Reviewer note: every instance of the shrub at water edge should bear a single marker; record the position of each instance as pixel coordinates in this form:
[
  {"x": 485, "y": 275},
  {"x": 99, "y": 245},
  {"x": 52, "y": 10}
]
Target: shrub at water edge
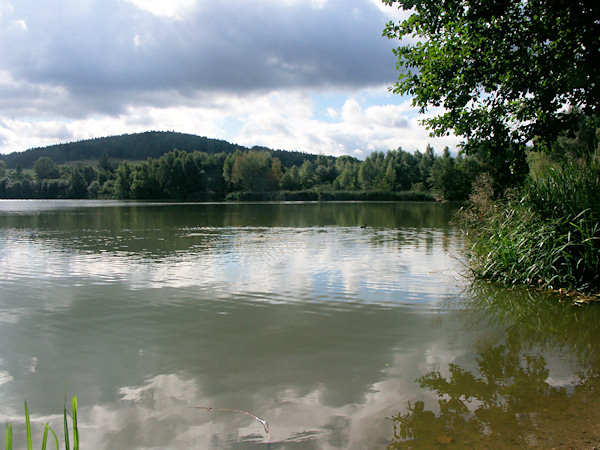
[{"x": 547, "y": 233}]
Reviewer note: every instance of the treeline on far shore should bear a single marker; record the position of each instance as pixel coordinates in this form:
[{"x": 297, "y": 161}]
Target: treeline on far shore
[{"x": 249, "y": 175}]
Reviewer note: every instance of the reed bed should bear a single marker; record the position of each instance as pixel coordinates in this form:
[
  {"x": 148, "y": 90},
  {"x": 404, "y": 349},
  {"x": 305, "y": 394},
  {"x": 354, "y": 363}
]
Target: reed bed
[{"x": 546, "y": 234}]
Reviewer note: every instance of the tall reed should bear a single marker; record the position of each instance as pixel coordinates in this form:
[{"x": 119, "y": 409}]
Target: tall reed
[{"x": 547, "y": 233}]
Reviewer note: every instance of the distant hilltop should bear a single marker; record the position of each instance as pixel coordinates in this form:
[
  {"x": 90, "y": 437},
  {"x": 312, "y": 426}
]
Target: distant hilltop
[{"x": 139, "y": 147}]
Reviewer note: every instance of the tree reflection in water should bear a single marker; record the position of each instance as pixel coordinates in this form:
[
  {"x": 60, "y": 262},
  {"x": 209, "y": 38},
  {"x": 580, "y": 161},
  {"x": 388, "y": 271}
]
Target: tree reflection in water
[{"x": 510, "y": 401}]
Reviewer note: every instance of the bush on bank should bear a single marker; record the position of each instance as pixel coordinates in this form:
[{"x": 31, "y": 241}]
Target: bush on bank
[{"x": 547, "y": 233}]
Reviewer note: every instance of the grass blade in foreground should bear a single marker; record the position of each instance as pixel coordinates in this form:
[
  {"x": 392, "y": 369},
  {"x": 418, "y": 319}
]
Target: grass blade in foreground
[
  {"x": 75, "y": 431},
  {"x": 45, "y": 438},
  {"x": 66, "y": 426},
  {"x": 28, "y": 428},
  {"x": 8, "y": 436}
]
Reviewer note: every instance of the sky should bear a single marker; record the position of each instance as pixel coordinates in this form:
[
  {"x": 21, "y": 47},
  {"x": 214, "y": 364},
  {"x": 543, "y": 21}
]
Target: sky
[{"x": 307, "y": 75}]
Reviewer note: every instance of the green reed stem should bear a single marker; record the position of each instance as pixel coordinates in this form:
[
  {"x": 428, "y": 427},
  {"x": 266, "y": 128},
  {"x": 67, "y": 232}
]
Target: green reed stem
[
  {"x": 75, "y": 430},
  {"x": 28, "y": 428},
  {"x": 8, "y": 436}
]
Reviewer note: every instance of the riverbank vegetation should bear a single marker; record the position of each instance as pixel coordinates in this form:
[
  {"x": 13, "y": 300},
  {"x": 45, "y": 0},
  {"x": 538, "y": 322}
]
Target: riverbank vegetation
[
  {"x": 546, "y": 233},
  {"x": 250, "y": 175},
  {"x": 519, "y": 82}
]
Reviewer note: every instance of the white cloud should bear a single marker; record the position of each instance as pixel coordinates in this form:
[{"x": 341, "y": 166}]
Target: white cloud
[
  {"x": 172, "y": 9},
  {"x": 90, "y": 68},
  {"x": 20, "y": 24},
  {"x": 279, "y": 120},
  {"x": 289, "y": 122}
]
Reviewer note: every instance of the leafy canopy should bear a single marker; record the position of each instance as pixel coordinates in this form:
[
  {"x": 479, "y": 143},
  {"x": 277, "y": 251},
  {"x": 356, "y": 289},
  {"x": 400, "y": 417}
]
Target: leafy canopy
[{"x": 505, "y": 71}]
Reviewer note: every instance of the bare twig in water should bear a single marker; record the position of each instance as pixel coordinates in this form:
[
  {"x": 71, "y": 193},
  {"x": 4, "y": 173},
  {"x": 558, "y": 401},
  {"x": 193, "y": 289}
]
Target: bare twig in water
[{"x": 263, "y": 422}]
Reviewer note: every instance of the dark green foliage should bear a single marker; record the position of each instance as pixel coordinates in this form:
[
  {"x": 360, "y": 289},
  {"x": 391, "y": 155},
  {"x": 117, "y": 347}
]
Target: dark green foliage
[
  {"x": 104, "y": 163},
  {"x": 145, "y": 184},
  {"x": 290, "y": 180},
  {"x": 307, "y": 175},
  {"x": 60, "y": 188},
  {"x": 77, "y": 184},
  {"x": 45, "y": 168},
  {"x": 17, "y": 188},
  {"x": 347, "y": 168},
  {"x": 546, "y": 234},
  {"x": 123, "y": 181},
  {"x": 451, "y": 179},
  {"x": 509, "y": 75}
]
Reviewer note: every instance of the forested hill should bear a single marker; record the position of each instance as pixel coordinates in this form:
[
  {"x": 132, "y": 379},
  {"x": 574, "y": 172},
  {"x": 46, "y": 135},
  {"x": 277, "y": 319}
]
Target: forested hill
[{"x": 137, "y": 147}]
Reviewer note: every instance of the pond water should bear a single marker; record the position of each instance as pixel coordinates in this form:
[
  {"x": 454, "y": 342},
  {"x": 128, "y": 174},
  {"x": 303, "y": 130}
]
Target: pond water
[{"x": 336, "y": 334}]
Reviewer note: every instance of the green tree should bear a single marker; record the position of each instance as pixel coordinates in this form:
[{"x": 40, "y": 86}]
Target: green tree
[
  {"x": 45, "y": 168},
  {"x": 144, "y": 184},
  {"x": 171, "y": 175},
  {"x": 274, "y": 175},
  {"x": 388, "y": 182},
  {"x": 505, "y": 72},
  {"x": 212, "y": 168},
  {"x": 348, "y": 173},
  {"x": 346, "y": 180},
  {"x": 228, "y": 168},
  {"x": 407, "y": 171},
  {"x": 104, "y": 163},
  {"x": 307, "y": 174},
  {"x": 367, "y": 174},
  {"x": 89, "y": 173},
  {"x": 77, "y": 184},
  {"x": 54, "y": 188},
  {"x": 443, "y": 177},
  {"x": 123, "y": 181},
  {"x": 425, "y": 165},
  {"x": 325, "y": 171},
  {"x": 94, "y": 189},
  {"x": 291, "y": 179},
  {"x": 251, "y": 170}
]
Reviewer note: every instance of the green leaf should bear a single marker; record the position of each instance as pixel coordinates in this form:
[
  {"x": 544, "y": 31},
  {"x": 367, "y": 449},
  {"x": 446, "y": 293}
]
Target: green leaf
[
  {"x": 66, "y": 426},
  {"x": 8, "y": 436},
  {"x": 28, "y": 428},
  {"x": 75, "y": 430}
]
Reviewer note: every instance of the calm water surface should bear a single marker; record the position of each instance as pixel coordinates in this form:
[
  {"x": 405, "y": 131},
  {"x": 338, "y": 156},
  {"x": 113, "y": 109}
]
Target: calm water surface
[{"x": 339, "y": 336}]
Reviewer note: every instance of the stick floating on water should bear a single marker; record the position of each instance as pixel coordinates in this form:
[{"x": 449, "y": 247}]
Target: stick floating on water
[{"x": 263, "y": 422}]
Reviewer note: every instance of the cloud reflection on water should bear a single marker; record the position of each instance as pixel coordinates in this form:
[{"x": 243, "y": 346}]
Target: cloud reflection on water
[{"x": 275, "y": 264}]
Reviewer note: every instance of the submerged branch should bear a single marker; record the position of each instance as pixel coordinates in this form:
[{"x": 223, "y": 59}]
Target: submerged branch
[{"x": 263, "y": 422}]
